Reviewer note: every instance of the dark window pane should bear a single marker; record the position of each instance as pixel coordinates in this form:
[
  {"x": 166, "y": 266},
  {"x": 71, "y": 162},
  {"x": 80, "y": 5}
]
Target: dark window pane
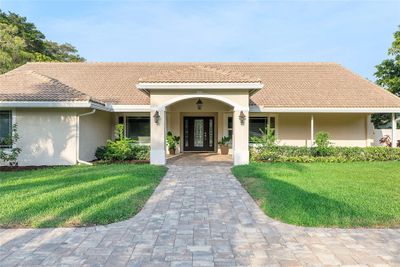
[
  {"x": 5, "y": 127},
  {"x": 137, "y": 127},
  {"x": 272, "y": 122},
  {"x": 121, "y": 120},
  {"x": 257, "y": 126},
  {"x": 230, "y": 123},
  {"x": 230, "y": 134}
]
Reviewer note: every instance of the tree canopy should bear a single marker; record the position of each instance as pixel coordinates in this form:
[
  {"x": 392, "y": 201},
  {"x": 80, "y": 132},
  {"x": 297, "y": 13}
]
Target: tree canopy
[
  {"x": 22, "y": 42},
  {"x": 388, "y": 76}
]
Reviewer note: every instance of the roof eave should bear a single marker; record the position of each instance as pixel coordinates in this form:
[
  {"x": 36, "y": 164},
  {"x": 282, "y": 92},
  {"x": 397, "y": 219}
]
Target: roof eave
[
  {"x": 366, "y": 110},
  {"x": 251, "y": 86},
  {"x": 53, "y": 104}
]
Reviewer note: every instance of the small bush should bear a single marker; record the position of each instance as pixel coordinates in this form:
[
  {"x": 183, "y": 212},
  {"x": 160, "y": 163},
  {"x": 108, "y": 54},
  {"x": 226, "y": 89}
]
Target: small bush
[
  {"x": 118, "y": 149},
  {"x": 140, "y": 152},
  {"x": 122, "y": 148},
  {"x": 100, "y": 153},
  {"x": 323, "y": 146}
]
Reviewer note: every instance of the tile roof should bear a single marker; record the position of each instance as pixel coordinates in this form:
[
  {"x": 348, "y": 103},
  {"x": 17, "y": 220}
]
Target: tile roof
[
  {"x": 32, "y": 86},
  {"x": 199, "y": 74},
  {"x": 285, "y": 84}
]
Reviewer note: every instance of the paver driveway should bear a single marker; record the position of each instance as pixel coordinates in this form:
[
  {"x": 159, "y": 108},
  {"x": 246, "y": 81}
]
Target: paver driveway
[{"x": 199, "y": 216}]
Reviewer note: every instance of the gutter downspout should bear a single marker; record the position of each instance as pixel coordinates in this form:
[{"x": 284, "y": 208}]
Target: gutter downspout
[{"x": 77, "y": 136}]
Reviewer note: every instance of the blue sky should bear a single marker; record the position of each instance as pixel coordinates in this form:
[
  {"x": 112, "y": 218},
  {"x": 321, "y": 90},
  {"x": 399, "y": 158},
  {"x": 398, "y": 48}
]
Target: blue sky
[{"x": 356, "y": 34}]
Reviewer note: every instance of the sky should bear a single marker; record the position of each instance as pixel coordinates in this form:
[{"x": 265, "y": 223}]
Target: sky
[{"x": 354, "y": 33}]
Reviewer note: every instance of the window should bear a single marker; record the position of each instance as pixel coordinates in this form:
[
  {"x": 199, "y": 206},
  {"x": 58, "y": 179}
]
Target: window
[
  {"x": 230, "y": 127},
  {"x": 257, "y": 125},
  {"x": 5, "y": 128},
  {"x": 138, "y": 128}
]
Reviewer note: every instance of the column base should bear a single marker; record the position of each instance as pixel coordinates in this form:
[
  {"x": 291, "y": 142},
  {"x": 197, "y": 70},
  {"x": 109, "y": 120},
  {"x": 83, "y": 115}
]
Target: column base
[
  {"x": 157, "y": 156},
  {"x": 240, "y": 157}
]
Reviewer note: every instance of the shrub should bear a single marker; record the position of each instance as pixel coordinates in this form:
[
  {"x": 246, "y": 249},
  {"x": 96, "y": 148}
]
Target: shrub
[
  {"x": 336, "y": 154},
  {"x": 323, "y": 145},
  {"x": 140, "y": 152},
  {"x": 118, "y": 149},
  {"x": 100, "y": 153},
  {"x": 122, "y": 148},
  {"x": 11, "y": 154}
]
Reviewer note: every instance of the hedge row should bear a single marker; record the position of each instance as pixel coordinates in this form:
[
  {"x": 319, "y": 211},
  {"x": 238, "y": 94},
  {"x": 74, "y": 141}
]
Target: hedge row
[
  {"x": 331, "y": 154},
  {"x": 123, "y": 150}
]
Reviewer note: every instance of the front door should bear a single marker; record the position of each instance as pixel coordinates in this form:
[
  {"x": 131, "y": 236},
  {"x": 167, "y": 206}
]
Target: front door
[{"x": 198, "y": 134}]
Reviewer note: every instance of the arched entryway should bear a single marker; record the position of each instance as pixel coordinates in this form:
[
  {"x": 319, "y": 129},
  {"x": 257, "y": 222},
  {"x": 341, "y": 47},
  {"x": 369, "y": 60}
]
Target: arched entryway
[{"x": 200, "y": 129}]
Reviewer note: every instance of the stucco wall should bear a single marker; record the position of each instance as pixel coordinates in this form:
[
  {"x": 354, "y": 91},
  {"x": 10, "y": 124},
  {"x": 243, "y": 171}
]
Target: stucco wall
[
  {"x": 379, "y": 133},
  {"x": 47, "y": 136},
  {"x": 344, "y": 129},
  {"x": 94, "y": 131}
]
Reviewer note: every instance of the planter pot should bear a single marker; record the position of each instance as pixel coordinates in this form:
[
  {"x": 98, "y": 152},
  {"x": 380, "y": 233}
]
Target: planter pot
[
  {"x": 171, "y": 151},
  {"x": 224, "y": 149}
]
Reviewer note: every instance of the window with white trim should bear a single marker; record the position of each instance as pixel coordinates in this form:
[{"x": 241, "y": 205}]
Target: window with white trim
[
  {"x": 5, "y": 128},
  {"x": 259, "y": 125},
  {"x": 138, "y": 128},
  {"x": 230, "y": 127}
]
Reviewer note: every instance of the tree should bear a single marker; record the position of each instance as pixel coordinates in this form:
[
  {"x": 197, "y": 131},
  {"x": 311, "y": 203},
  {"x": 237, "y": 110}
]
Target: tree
[
  {"x": 21, "y": 42},
  {"x": 12, "y": 48},
  {"x": 388, "y": 76}
]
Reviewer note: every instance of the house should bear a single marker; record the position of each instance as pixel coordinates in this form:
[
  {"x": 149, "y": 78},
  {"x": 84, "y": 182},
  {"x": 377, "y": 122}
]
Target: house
[{"x": 64, "y": 111}]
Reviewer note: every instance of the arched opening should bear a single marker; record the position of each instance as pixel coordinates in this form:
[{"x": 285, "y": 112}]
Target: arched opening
[{"x": 200, "y": 121}]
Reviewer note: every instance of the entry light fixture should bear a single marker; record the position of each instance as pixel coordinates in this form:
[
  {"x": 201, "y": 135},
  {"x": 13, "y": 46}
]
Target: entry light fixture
[
  {"x": 242, "y": 117},
  {"x": 199, "y": 104},
  {"x": 156, "y": 117}
]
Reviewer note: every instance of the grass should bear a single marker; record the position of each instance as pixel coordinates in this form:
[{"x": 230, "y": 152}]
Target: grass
[
  {"x": 76, "y": 195},
  {"x": 362, "y": 194}
]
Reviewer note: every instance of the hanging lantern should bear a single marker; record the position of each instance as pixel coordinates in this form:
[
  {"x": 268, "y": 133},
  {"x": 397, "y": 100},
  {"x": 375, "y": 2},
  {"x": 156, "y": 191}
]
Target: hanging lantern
[{"x": 199, "y": 104}]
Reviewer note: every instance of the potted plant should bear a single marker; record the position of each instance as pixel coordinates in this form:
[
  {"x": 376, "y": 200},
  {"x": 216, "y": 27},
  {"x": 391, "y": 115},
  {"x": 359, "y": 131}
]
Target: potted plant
[
  {"x": 223, "y": 145},
  {"x": 172, "y": 141}
]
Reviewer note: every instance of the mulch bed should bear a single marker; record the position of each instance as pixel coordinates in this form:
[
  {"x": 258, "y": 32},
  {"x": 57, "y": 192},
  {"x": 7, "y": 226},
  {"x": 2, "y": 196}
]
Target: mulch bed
[
  {"x": 21, "y": 168},
  {"x": 26, "y": 168},
  {"x": 133, "y": 161}
]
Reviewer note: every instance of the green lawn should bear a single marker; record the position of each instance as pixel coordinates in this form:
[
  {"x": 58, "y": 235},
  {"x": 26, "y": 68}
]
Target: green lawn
[
  {"x": 76, "y": 195},
  {"x": 362, "y": 194}
]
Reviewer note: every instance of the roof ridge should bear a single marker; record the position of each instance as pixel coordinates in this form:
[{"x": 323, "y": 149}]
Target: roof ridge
[{"x": 228, "y": 72}]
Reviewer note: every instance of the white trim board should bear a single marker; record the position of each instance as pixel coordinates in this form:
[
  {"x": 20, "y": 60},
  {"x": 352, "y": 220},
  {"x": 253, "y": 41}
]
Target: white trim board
[
  {"x": 74, "y": 104},
  {"x": 252, "y": 86},
  {"x": 146, "y": 108},
  {"x": 205, "y": 86},
  {"x": 324, "y": 110},
  {"x": 52, "y": 104},
  {"x": 129, "y": 108}
]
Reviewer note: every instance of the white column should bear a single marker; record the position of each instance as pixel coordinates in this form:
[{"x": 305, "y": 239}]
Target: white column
[
  {"x": 240, "y": 139},
  {"x": 312, "y": 131},
  {"x": 394, "y": 130},
  {"x": 157, "y": 139}
]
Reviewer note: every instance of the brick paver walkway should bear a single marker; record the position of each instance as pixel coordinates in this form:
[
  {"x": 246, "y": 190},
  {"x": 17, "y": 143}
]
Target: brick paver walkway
[{"x": 199, "y": 216}]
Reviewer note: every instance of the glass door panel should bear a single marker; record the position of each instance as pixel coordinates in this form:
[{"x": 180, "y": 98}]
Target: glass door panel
[{"x": 199, "y": 133}]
